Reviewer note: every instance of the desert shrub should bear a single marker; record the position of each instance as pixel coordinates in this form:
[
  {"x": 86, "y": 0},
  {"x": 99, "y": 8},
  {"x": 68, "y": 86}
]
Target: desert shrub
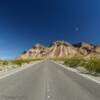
[
  {"x": 4, "y": 62},
  {"x": 93, "y": 65},
  {"x": 19, "y": 62},
  {"x": 74, "y": 62}
]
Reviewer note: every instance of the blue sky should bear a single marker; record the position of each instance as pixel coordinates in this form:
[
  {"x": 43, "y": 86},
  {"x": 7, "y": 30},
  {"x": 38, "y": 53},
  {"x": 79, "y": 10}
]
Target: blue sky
[{"x": 26, "y": 22}]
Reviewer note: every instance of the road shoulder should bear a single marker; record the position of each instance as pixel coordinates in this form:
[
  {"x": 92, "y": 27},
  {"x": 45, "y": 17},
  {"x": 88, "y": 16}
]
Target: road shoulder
[
  {"x": 88, "y": 76},
  {"x": 14, "y": 71}
]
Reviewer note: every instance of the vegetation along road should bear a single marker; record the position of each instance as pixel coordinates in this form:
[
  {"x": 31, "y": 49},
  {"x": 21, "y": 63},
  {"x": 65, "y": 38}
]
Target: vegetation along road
[{"x": 48, "y": 81}]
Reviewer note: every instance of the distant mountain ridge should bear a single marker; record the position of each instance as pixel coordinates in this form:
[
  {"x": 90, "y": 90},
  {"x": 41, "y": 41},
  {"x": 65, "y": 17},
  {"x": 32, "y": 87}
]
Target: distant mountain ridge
[{"x": 61, "y": 49}]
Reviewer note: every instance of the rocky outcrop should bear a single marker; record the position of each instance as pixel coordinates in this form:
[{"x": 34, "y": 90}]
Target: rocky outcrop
[
  {"x": 84, "y": 48},
  {"x": 36, "y": 51},
  {"x": 61, "y": 49}
]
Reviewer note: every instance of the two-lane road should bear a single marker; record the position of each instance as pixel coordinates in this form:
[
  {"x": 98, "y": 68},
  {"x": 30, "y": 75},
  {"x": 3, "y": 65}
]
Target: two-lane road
[{"x": 48, "y": 81}]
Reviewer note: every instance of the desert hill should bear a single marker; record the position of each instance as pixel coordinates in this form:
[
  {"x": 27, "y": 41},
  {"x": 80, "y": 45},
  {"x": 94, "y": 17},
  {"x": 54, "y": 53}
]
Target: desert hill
[{"x": 61, "y": 49}]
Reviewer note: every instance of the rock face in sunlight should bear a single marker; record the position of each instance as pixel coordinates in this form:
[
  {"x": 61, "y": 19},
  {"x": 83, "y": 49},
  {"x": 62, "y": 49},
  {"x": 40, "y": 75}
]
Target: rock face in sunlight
[
  {"x": 87, "y": 50},
  {"x": 61, "y": 49},
  {"x": 84, "y": 48},
  {"x": 36, "y": 51}
]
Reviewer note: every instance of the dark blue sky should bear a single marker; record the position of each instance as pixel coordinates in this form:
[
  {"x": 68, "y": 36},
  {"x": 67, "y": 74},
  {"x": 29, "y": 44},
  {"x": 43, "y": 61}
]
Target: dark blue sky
[{"x": 26, "y": 22}]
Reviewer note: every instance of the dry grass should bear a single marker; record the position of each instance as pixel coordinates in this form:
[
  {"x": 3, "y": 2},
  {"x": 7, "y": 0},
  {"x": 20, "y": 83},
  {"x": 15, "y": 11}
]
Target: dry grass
[{"x": 92, "y": 64}]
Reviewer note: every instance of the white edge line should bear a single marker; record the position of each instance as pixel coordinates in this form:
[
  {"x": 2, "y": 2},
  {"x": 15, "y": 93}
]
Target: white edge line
[
  {"x": 85, "y": 76},
  {"x": 18, "y": 70}
]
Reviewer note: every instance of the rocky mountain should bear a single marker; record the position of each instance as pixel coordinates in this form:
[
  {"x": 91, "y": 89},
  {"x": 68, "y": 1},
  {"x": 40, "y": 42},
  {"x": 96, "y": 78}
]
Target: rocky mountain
[
  {"x": 36, "y": 51},
  {"x": 84, "y": 48},
  {"x": 61, "y": 49}
]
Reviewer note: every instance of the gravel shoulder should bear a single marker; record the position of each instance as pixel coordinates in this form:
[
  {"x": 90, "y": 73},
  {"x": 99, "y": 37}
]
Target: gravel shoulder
[
  {"x": 6, "y": 73},
  {"x": 80, "y": 71}
]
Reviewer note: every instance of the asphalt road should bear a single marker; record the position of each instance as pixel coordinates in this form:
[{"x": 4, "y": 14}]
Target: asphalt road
[{"x": 48, "y": 81}]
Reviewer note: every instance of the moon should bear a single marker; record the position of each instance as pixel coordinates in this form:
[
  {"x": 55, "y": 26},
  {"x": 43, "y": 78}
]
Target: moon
[{"x": 76, "y": 28}]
